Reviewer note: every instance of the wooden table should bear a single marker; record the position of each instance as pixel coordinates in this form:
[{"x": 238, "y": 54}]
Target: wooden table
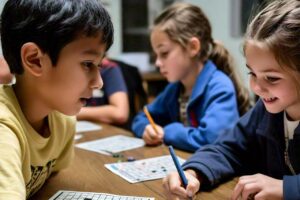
[{"x": 87, "y": 173}]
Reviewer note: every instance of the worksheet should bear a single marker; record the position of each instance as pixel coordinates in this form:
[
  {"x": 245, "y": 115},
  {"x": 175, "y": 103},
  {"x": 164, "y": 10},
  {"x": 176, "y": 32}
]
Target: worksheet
[
  {"x": 112, "y": 145},
  {"x": 85, "y": 126},
  {"x": 67, "y": 195},
  {"x": 144, "y": 170}
]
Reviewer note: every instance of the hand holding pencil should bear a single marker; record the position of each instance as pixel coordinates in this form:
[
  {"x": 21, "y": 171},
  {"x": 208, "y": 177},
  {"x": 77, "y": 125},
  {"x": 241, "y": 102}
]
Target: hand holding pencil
[
  {"x": 153, "y": 133},
  {"x": 181, "y": 174},
  {"x": 175, "y": 188}
]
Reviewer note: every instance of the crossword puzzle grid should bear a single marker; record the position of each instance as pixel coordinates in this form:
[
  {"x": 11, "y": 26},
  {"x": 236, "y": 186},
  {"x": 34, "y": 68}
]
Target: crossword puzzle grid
[
  {"x": 75, "y": 195},
  {"x": 142, "y": 170}
]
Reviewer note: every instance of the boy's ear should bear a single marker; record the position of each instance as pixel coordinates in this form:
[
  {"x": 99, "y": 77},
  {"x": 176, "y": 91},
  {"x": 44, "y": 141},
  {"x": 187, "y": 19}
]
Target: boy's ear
[
  {"x": 194, "y": 46},
  {"x": 31, "y": 56}
]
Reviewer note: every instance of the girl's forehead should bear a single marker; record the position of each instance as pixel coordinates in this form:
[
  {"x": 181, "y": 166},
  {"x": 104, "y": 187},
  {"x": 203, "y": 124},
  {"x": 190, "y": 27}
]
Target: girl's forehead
[
  {"x": 159, "y": 34},
  {"x": 160, "y": 39},
  {"x": 260, "y": 58},
  {"x": 257, "y": 44}
]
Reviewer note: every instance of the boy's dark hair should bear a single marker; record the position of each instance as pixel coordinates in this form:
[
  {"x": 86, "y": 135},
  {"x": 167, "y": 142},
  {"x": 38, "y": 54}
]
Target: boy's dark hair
[{"x": 50, "y": 24}]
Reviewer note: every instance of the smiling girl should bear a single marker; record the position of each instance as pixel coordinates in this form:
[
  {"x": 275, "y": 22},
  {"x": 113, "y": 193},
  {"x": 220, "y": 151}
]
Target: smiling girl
[{"x": 264, "y": 146}]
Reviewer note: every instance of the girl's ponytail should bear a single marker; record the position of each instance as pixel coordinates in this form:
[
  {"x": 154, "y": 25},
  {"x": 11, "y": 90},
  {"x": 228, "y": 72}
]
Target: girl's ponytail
[{"x": 224, "y": 61}]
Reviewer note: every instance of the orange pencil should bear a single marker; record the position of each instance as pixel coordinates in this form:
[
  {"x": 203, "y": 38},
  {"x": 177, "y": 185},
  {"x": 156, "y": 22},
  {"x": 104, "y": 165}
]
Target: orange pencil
[{"x": 150, "y": 119}]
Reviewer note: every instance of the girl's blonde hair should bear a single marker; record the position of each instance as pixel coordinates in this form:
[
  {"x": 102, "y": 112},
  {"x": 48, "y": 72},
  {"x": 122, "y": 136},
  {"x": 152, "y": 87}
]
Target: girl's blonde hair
[
  {"x": 277, "y": 27},
  {"x": 182, "y": 21}
]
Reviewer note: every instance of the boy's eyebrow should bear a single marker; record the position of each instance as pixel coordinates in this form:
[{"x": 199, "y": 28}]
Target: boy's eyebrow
[{"x": 93, "y": 52}]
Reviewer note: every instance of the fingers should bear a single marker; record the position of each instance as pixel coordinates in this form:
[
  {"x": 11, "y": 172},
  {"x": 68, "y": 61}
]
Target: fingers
[
  {"x": 193, "y": 186},
  {"x": 174, "y": 189},
  {"x": 172, "y": 186},
  {"x": 246, "y": 188},
  {"x": 249, "y": 191},
  {"x": 151, "y": 137}
]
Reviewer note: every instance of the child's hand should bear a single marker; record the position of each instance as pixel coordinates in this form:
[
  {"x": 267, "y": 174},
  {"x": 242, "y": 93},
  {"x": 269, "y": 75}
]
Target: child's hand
[
  {"x": 258, "y": 185},
  {"x": 174, "y": 189},
  {"x": 151, "y": 137}
]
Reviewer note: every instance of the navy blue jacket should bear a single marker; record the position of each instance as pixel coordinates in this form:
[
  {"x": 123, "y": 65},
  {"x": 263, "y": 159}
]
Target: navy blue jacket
[
  {"x": 255, "y": 145},
  {"x": 211, "y": 108}
]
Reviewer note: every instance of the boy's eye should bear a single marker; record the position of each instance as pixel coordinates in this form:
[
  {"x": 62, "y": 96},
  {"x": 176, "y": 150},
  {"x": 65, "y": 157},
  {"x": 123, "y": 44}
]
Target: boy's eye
[{"x": 88, "y": 64}]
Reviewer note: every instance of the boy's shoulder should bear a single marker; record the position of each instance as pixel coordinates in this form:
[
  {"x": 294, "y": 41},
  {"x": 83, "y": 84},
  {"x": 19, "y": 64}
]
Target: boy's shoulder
[
  {"x": 10, "y": 120},
  {"x": 11, "y": 114},
  {"x": 8, "y": 101}
]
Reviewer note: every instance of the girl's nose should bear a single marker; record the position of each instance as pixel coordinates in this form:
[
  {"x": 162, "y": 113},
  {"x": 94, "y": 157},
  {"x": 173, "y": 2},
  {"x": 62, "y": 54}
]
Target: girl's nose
[
  {"x": 258, "y": 87},
  {"x": 157, "y": 63}
]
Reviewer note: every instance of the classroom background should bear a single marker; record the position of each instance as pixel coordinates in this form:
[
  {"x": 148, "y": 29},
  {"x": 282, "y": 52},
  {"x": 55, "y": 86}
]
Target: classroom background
[
  {"x": 131, "y": 38},
  {"x": 132, "y": 20}
]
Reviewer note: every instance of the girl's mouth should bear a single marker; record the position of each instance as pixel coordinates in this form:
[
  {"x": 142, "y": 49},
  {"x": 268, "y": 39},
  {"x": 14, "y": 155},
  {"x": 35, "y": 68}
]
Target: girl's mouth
[{"x": 269, "y": 100}]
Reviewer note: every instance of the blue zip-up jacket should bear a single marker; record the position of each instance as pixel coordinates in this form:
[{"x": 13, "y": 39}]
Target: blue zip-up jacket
[
  {"x": 255, "y": 145},
  {"x": 211, "y": 108}
]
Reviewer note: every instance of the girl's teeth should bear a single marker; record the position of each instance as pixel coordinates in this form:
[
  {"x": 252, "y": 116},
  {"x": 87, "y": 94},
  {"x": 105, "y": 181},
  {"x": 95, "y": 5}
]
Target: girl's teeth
[{"x": 270, "y": 99}]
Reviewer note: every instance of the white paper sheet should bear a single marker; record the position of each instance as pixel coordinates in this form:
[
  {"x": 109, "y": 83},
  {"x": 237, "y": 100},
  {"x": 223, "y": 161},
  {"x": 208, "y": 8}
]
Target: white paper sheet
[
  {"x": 113, "y": 144},
  {"x": 144, "y": 170},
  {"x": 85, "y": 126},
  {"x": 67, "y": 195}
]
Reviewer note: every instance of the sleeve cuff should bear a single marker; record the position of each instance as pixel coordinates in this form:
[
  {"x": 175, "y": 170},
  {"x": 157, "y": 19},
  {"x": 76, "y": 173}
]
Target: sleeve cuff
[{"x": 291, "y": 187}]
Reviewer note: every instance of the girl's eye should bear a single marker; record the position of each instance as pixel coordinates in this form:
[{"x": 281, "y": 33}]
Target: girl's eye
[
  {"x": 251, "y": 74},
  {"x": 164, "y": 54},
  {"x": 271, "y": 79}
]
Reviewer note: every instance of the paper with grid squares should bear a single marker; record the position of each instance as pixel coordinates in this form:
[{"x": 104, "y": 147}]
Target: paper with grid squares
[
  {"x": 144, "y": 170},
  {"x": 76, "y": 195}
]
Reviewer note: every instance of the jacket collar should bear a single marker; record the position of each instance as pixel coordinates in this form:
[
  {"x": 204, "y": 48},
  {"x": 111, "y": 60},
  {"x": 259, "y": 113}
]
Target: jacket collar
[
  {"x": 274, "y": 126},
  {"x": 202, "y": 80}
]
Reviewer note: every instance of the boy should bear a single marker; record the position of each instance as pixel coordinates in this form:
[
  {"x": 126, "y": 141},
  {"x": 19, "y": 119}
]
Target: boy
[{"x": 54, "y": 48}]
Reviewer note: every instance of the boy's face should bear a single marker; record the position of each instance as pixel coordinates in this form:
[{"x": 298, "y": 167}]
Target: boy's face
[
  {"x": 68, "y": 85},
  {"x": 274, "y": 84}
]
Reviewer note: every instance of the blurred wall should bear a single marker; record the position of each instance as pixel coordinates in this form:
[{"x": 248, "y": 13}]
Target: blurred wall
[{"x": 220, "y": 15}]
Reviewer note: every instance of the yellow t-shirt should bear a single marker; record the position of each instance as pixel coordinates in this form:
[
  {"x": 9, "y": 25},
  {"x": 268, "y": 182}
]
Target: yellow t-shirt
[{"x": 26, "y": 158}]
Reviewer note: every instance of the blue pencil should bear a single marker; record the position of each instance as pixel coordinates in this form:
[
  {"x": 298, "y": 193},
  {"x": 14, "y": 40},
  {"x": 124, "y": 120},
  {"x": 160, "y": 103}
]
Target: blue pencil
[{"x": 178, "y": 167}]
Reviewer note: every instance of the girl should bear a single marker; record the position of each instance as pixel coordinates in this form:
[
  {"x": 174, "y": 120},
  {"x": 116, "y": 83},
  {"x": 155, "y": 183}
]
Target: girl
[
  {"x": 265, "y": 143},
  {"x": 202, "y": 97}
]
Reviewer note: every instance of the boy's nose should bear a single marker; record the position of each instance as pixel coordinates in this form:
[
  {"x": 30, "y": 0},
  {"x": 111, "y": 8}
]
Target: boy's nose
[{"x": 97, "y": 82}]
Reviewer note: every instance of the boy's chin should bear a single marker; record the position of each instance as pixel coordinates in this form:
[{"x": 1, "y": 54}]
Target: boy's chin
[{"x": 72, "y": 112}]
